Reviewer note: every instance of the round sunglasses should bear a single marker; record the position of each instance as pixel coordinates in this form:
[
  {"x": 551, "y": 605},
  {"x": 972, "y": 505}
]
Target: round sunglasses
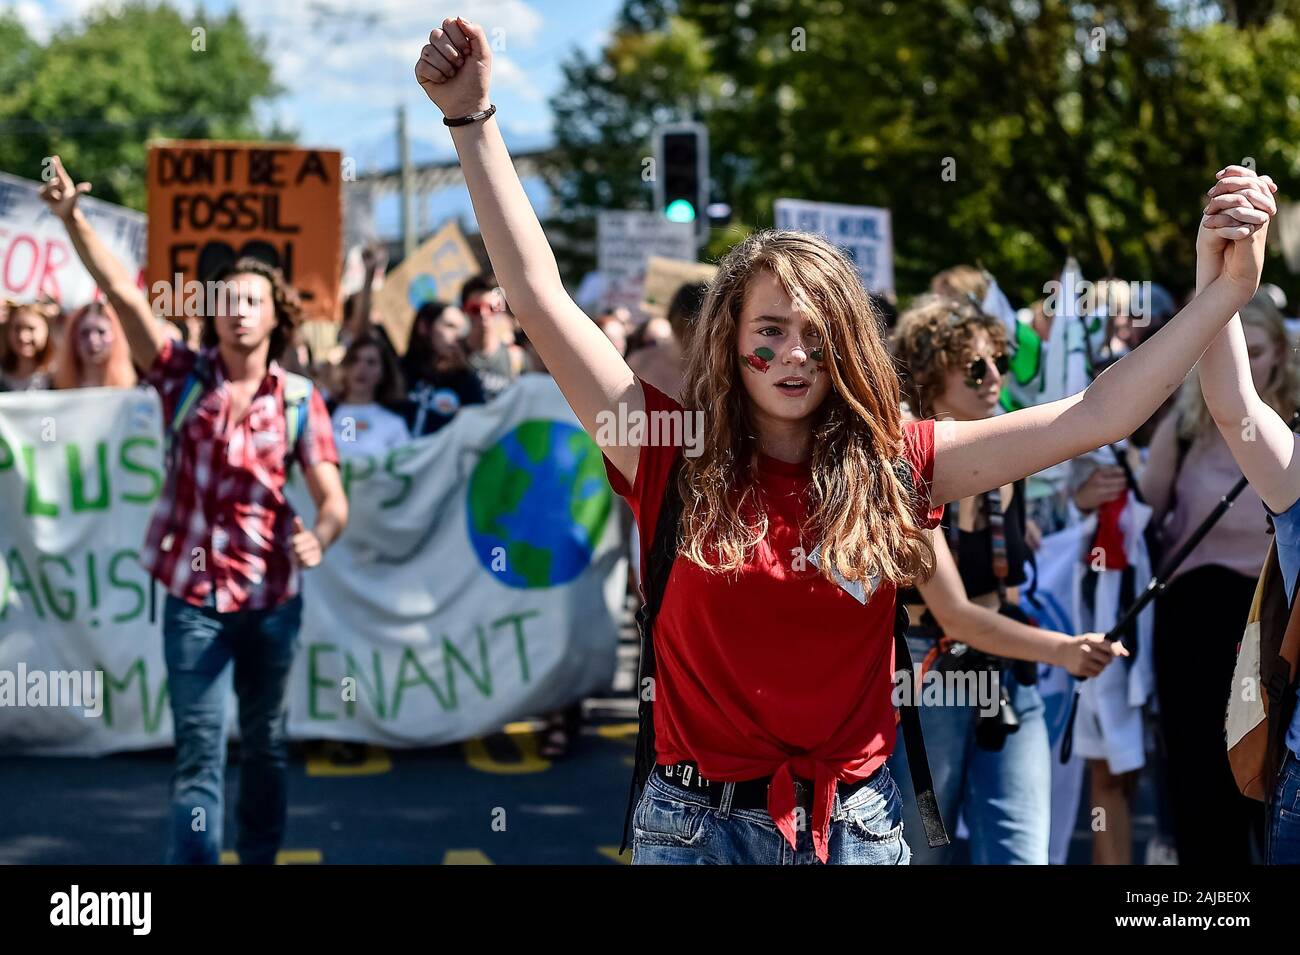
[{"x": 978, "y": 370}]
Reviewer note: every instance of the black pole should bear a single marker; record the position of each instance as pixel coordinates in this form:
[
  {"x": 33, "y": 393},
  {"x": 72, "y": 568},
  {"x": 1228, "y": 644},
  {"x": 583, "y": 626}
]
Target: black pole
[
  {"x": 1161, "y": 580},
  {"x": 1157, "y": 586}
]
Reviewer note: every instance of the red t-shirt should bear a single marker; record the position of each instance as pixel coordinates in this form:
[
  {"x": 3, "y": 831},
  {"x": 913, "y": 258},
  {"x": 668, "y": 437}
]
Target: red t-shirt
[{"x": 773, "y": 671}]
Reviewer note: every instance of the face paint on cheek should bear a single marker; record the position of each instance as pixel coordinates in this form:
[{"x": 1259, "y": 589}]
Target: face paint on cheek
[
  {"x": 760, "y": 359},
  {"x": 817, "y": 355}
]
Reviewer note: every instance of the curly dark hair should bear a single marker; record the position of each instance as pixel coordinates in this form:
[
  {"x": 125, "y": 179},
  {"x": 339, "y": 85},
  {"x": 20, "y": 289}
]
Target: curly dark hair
[
  {"x": 933, "y": 336},
  {"x": 288, "y": 309}
]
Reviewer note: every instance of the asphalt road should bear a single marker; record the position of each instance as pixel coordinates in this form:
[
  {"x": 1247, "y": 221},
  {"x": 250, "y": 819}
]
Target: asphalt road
[{"x": 491, "y": 800}]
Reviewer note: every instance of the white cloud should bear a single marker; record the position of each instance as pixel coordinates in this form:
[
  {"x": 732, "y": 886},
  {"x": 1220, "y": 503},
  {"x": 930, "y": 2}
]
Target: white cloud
[
  {"x": 34, "y": 18},
  {"x": 345, "y": 67},
  {"x": 506, "y": 74}
]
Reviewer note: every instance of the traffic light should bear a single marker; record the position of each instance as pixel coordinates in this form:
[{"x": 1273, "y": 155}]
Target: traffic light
[{"x": 682, "y": 173}]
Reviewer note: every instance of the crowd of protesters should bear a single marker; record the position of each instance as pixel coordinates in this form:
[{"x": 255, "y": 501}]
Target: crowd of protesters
[
  {"x": 952, "y": 355},
  {"x": 465, "y": 353},
  {"x": 458, "y": 354}
]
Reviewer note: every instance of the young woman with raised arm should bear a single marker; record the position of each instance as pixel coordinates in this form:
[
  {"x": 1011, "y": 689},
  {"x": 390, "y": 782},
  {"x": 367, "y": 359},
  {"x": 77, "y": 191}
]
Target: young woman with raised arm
[{"x": 774, "y": 672}]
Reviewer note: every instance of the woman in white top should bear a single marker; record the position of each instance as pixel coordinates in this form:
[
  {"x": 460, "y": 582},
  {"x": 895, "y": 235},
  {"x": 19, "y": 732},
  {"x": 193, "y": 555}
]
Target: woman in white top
[{"x": 364, "y": 420}]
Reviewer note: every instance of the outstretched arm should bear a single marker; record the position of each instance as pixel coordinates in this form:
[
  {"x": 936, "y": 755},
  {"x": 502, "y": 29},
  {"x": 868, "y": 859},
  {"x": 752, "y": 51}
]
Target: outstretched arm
[
  {"x": 1261, "y": 441},
  {"x": 454, "y": 70},
  {"x": 973, "y": 456},
  {"x": 990, "y": 631},
  {"x": 359, "y": 320},
  {"x": 143, "y": 333}
]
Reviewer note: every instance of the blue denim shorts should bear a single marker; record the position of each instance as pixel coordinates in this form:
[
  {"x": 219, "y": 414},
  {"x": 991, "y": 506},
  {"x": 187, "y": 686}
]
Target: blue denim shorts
[
  {"x": 677, "y": 826},
  {"x": 1284, "y": 827}
]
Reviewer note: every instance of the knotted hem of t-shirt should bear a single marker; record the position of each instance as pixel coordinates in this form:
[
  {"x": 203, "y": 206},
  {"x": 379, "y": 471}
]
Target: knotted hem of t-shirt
[{"x": 781, "y": 805}]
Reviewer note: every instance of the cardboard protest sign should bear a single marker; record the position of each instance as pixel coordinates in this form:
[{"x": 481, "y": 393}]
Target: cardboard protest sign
[
  {"x": 36, "y": 257},
  {"x": 663, "y": 277},
  {"x": 432, "y": 273},
  {"x": 212, "y": 202}
]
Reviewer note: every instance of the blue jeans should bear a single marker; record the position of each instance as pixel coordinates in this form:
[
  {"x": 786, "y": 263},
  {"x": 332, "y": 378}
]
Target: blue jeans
[
  {"x": 673, "y": 825},
  {"x": 1004, "y": 796},
  {"x": 1284, "y": 825},
  {"x": 199, "y": 645}
]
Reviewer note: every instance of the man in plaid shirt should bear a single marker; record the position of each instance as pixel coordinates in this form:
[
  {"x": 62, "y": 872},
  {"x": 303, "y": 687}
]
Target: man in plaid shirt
[{"x": 224, "y": 540}]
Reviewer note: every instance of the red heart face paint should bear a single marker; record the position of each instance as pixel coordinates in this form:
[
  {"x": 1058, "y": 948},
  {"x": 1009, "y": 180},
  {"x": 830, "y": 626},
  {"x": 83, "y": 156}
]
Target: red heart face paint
[{"x": 760, "y": 359}]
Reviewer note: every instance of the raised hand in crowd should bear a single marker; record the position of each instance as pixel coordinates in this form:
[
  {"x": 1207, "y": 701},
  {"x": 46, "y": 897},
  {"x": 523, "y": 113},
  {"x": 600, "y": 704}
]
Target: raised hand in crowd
[
  {"x": 144, "y": 334},
  {"x": 1230, "y": 248},
  {"x": 454, "y": 71}
]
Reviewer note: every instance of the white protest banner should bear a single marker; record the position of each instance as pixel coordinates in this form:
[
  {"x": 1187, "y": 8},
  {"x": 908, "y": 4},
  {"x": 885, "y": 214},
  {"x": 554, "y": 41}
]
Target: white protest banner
[
  {"x": 478, "y": 581},
  {"x": 864, "y": 232},
  {"x": 36, "y": 258}
]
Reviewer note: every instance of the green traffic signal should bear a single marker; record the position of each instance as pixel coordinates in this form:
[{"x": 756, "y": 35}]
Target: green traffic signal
[{"x": 680, "y": 210}]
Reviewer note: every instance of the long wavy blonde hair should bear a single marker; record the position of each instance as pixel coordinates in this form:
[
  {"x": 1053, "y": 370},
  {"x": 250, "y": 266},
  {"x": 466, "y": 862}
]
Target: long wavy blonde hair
[
  {"x": 1282, "y": 394},
  {"x": 860, "y": 513}
]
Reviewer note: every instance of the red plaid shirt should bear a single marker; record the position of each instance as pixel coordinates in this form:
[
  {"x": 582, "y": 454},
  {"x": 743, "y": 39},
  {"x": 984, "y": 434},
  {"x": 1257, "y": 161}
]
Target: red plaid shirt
[{"x": 223, "y": 525}]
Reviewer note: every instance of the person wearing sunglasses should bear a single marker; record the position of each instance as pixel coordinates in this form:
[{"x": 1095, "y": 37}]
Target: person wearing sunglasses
[
  {"x": 954, "y": 361},
  {"x": 493, "y": 353}
]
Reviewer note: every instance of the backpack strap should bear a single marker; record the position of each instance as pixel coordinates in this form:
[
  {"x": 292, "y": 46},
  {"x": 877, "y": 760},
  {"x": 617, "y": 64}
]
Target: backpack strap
[
  {"x": 663, "y": 552},
  {"x": 198, "y": 381},
  {"x": 297, "y": 394},
  {"x": 909, "y": 715}
]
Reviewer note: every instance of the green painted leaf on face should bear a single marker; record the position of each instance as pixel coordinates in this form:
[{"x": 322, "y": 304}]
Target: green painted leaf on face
[{"x": 765, "y": 353}]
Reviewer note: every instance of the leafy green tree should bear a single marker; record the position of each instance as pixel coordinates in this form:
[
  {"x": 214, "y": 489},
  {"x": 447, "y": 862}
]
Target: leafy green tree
[
  {"x": 100, "y": 89},
  {"x": 654, "y": 70},
  {"x": 1009, "y": 132}
]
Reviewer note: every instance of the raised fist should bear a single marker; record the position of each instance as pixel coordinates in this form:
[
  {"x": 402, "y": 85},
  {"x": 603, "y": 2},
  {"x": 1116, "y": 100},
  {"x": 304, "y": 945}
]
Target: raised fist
[
  {"x": 455, "y": 67},
  {"x": 59, "y": 193}
]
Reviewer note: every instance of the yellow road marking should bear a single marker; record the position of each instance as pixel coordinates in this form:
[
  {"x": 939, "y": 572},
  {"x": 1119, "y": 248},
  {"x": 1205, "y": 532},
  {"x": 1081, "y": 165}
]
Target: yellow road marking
[
  {"x": 465, "y": 857},
  {"x": 624, "y": 732},
  {"x": 478, "y": 757},
  {"x": 522, "y": 726},
  {"x": 611, "y": 852},
  {"x": 283, "y": 857},
  {"x": 377, "y": 762}
]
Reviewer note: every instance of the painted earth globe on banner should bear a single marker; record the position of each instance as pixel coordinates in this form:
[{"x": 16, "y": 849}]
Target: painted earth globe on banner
[
  {"x": 537, "y": 504},
  {"x": 423, "y": 288}
]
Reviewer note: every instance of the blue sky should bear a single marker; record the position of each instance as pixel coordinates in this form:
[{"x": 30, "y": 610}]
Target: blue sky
[{"x": 347, "y": 66}]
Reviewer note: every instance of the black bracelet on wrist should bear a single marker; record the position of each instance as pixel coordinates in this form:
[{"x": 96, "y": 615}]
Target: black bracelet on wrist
[{"x": 471, "y": 118}]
